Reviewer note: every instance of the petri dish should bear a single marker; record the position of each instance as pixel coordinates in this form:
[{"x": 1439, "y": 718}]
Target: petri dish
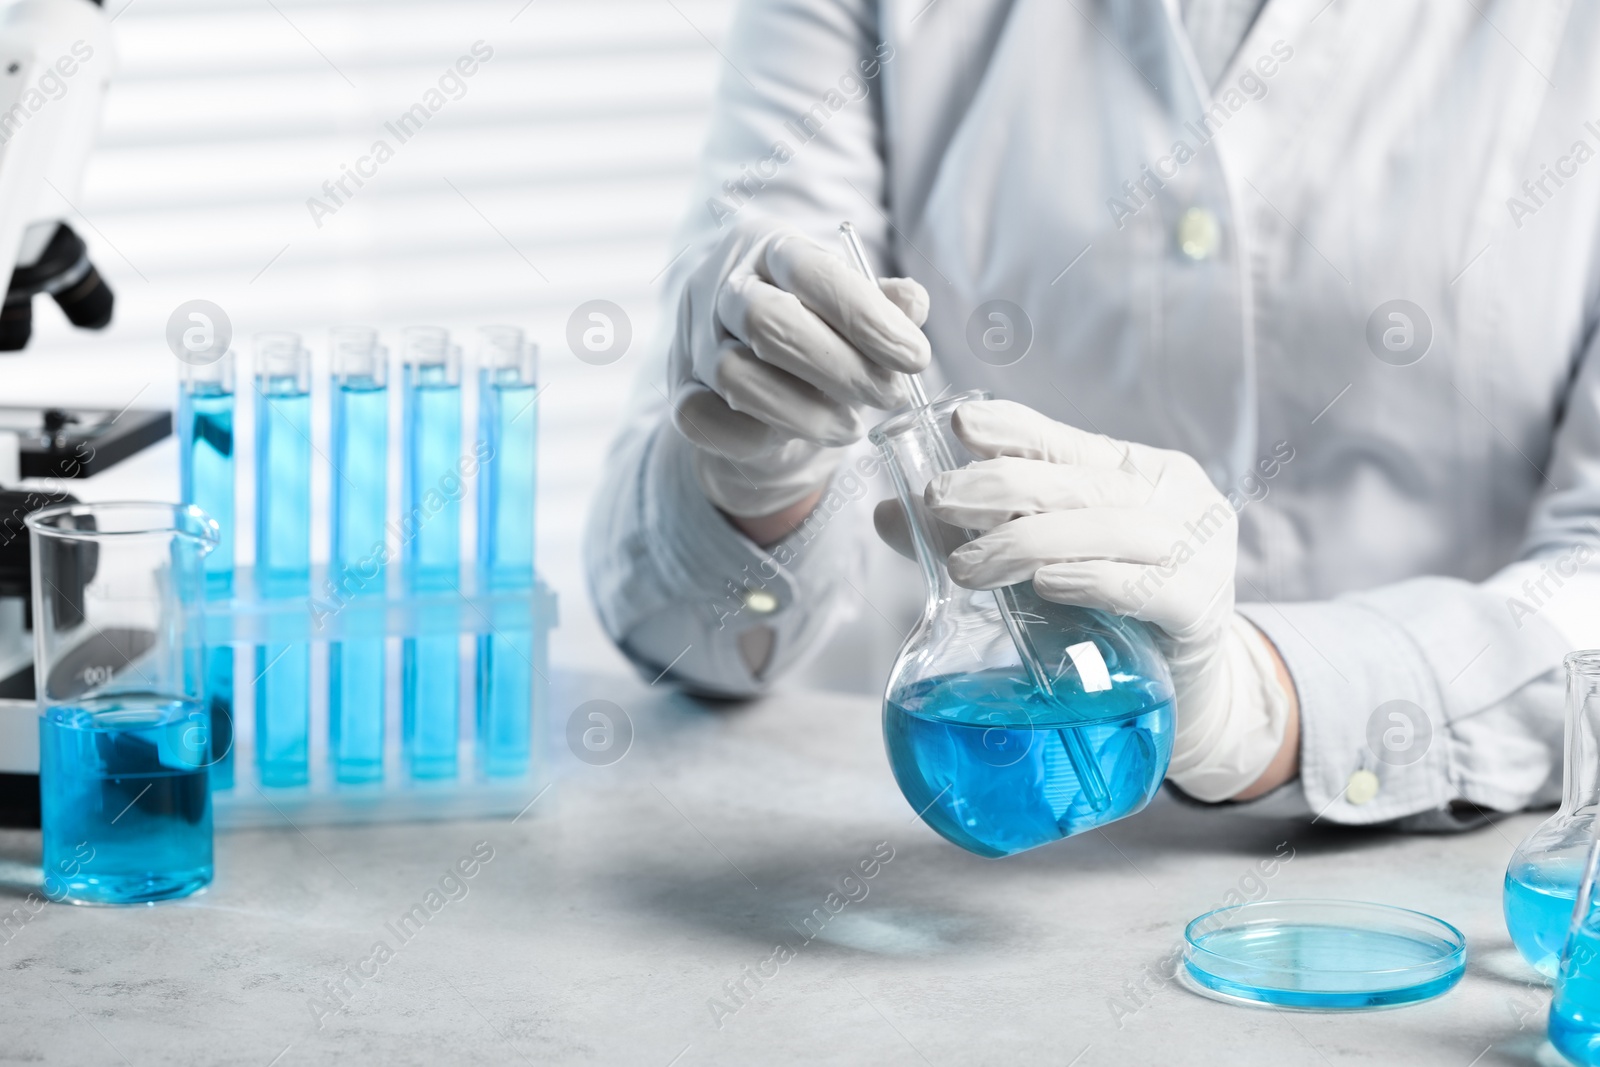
[{"x": 1323, "y": 955}]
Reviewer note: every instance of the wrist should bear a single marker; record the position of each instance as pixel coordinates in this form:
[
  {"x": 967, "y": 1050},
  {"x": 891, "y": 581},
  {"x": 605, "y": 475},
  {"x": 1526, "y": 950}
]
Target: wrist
[
  {"x": 1285, "y": 764},
  {"x": 1237, "y": 735}
]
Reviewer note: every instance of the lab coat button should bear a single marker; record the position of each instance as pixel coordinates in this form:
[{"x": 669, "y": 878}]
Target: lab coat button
[
  {"x": 1362, "y": 787},
  {"x": 760, "y": 602},
  {"x": 1198, "y": 233}
]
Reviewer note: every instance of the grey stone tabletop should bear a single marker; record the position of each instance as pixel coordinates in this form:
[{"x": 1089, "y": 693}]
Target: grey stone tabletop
[{"x": 745, "y": 886}]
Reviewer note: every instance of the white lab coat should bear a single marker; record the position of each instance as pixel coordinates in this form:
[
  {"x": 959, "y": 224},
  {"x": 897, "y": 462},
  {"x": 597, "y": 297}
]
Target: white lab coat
[{"x": 1429, "y": 538}]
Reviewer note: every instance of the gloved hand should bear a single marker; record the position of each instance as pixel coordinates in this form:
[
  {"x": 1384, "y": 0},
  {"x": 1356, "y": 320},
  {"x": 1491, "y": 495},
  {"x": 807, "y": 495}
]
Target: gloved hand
[
  {"x": 1131, "y": 530},
  {"x": 779, "y": 344}
]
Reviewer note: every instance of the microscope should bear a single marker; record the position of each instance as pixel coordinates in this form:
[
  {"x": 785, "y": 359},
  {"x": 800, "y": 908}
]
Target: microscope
[{"x": 56, "y": 59}]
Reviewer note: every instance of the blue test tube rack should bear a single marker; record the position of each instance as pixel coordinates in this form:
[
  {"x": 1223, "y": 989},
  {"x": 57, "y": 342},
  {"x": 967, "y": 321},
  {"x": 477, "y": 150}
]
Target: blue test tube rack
[{"x": 485, "y": 621}]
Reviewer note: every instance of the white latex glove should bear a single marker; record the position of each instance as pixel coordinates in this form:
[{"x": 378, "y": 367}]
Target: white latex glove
[
  {"x": 779, "y": 344},
  {"x": 1131, "y": 530}
]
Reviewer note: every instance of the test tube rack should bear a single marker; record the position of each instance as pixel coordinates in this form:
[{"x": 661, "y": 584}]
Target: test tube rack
[
  {"x": 449, "y": 625},
  {"x": 249, "y": 620}
]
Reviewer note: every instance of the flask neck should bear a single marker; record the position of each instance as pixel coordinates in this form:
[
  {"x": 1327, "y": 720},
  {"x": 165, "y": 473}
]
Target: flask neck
[
  {"x": 918, "y": 445},
  {"x": 1581, "y": 782}
]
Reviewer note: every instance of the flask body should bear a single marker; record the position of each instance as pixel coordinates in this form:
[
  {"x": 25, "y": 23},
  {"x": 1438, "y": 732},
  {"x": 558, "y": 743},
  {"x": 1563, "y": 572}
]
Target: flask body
[{"x": 1012, "y": 721}]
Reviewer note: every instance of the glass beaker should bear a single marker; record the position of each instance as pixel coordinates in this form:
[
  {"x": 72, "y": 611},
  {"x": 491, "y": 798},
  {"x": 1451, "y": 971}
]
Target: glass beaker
[
  {"x": 1543, "y": 875},
  {"x": 1574, "y": 1026},
  {"x": 1012, "y": 721},
  {"x": 124, "y": 745}
]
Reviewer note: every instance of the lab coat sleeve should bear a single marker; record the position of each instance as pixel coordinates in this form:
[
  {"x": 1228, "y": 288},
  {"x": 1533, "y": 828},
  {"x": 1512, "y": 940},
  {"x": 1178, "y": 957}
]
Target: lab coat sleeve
[
  {"x": 1450, "y": 691},
  {"x": 691, "y": 600},
  {"x": 795, "y": 137}
]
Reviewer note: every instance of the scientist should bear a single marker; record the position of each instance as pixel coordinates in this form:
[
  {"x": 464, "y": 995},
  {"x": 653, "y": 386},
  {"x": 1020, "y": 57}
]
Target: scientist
[{"x": 1289, "y": 311}]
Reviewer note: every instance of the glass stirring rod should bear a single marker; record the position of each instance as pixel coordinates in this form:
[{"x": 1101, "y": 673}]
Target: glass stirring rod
[{"x": 1084, "y": 765}]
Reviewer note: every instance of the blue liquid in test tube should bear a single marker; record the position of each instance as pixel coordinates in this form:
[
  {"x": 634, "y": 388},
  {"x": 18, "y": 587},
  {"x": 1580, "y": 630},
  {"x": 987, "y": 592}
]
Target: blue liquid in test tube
[
  {"x": 508, "y": 419},
  {"x": 205, "y": 429},
  {"x": 431, "y": 518},
  {"x": 283, "y": 552},
  {"x": 360, "y": 402}
]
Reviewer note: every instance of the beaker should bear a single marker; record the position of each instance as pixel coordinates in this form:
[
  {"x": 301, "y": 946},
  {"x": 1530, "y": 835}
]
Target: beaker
[
  {"x": 1543, "y": 875},
  {"x": 124, "y": 746},
  {"x": 1012, "y": 721},
  {"x": 1574, "y": 1026}
]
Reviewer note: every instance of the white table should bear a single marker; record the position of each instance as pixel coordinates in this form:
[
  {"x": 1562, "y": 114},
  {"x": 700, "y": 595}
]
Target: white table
[{"x": 616, "y": 909}]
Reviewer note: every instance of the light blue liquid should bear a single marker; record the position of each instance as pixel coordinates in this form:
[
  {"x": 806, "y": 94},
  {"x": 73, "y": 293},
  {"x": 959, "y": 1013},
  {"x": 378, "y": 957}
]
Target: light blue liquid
[
  {"x": 205, "y": 424},
  {"x": 431, "y": 518},
  {"x": 355, "y": 667},
  {"x": 431, "y": 676},
  {"x": 1575, "y": 1011},
  {"x": 1538, "y": 905},
  {"x": 983, "y": 758},
  {"x": 283, "y": 714},
  {"x": 283, "y": 485},
  {"x": 283, "y": 564},
  {"x": 505, "y": 702},
  {"x": 506, "y": 482},
  {"x": 1349, "y": 968},
  {"x": 126, "y": 805}
]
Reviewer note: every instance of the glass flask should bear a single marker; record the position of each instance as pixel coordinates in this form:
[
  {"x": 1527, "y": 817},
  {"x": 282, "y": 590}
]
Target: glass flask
[
  {"x": 1543, "y": 875},
  {"x": 1012, "y": 721},
  {"x": 1574, "y": 1027}
]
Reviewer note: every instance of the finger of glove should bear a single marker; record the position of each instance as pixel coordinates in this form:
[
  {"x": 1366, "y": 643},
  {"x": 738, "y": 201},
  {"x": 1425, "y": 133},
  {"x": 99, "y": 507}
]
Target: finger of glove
[
  {"x": 991, "y": 428},
  {"x": 1013, "y": 551},
  {"x": 706, "y": 420},
  {"x": 849, "y": 302},
  {"x": 989, "y": 492},
  {"x": 894, "y": 530},
  {"x": 783, "y": 332},
  {"x": 909, "y": 296},
  {"x": 779, "y": 399},
  {"x": 1121, "y": 588}
]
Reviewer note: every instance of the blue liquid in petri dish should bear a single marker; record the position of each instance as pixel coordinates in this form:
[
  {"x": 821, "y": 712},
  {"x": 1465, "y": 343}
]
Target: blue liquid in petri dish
[
  {"x": 983, "y": 757},
  {"x": 356, "y": 666},
  {"x": 1575, "y": 1012},
  {"x": 126, "y": 801},
  {"x": 1328, "y": 967},
  {"x": 1538, "y": 905}
]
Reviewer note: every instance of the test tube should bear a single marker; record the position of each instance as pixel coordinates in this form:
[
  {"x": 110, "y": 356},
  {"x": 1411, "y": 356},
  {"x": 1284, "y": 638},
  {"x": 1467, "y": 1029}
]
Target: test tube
[
  {"x": 507, "y": 420},
  {"x": 431, "y": 523},
  {"x": 360, "y": 431},
  {"x": 205, "y": 431},
  {"x": 283, "y": 552}
]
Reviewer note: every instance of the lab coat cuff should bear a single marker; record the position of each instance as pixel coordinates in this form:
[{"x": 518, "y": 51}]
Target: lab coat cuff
[
  {"x": 710, "y": 585},
  {"x": 1374, "y": 747},
  {"x": 697, "y": 552}
]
